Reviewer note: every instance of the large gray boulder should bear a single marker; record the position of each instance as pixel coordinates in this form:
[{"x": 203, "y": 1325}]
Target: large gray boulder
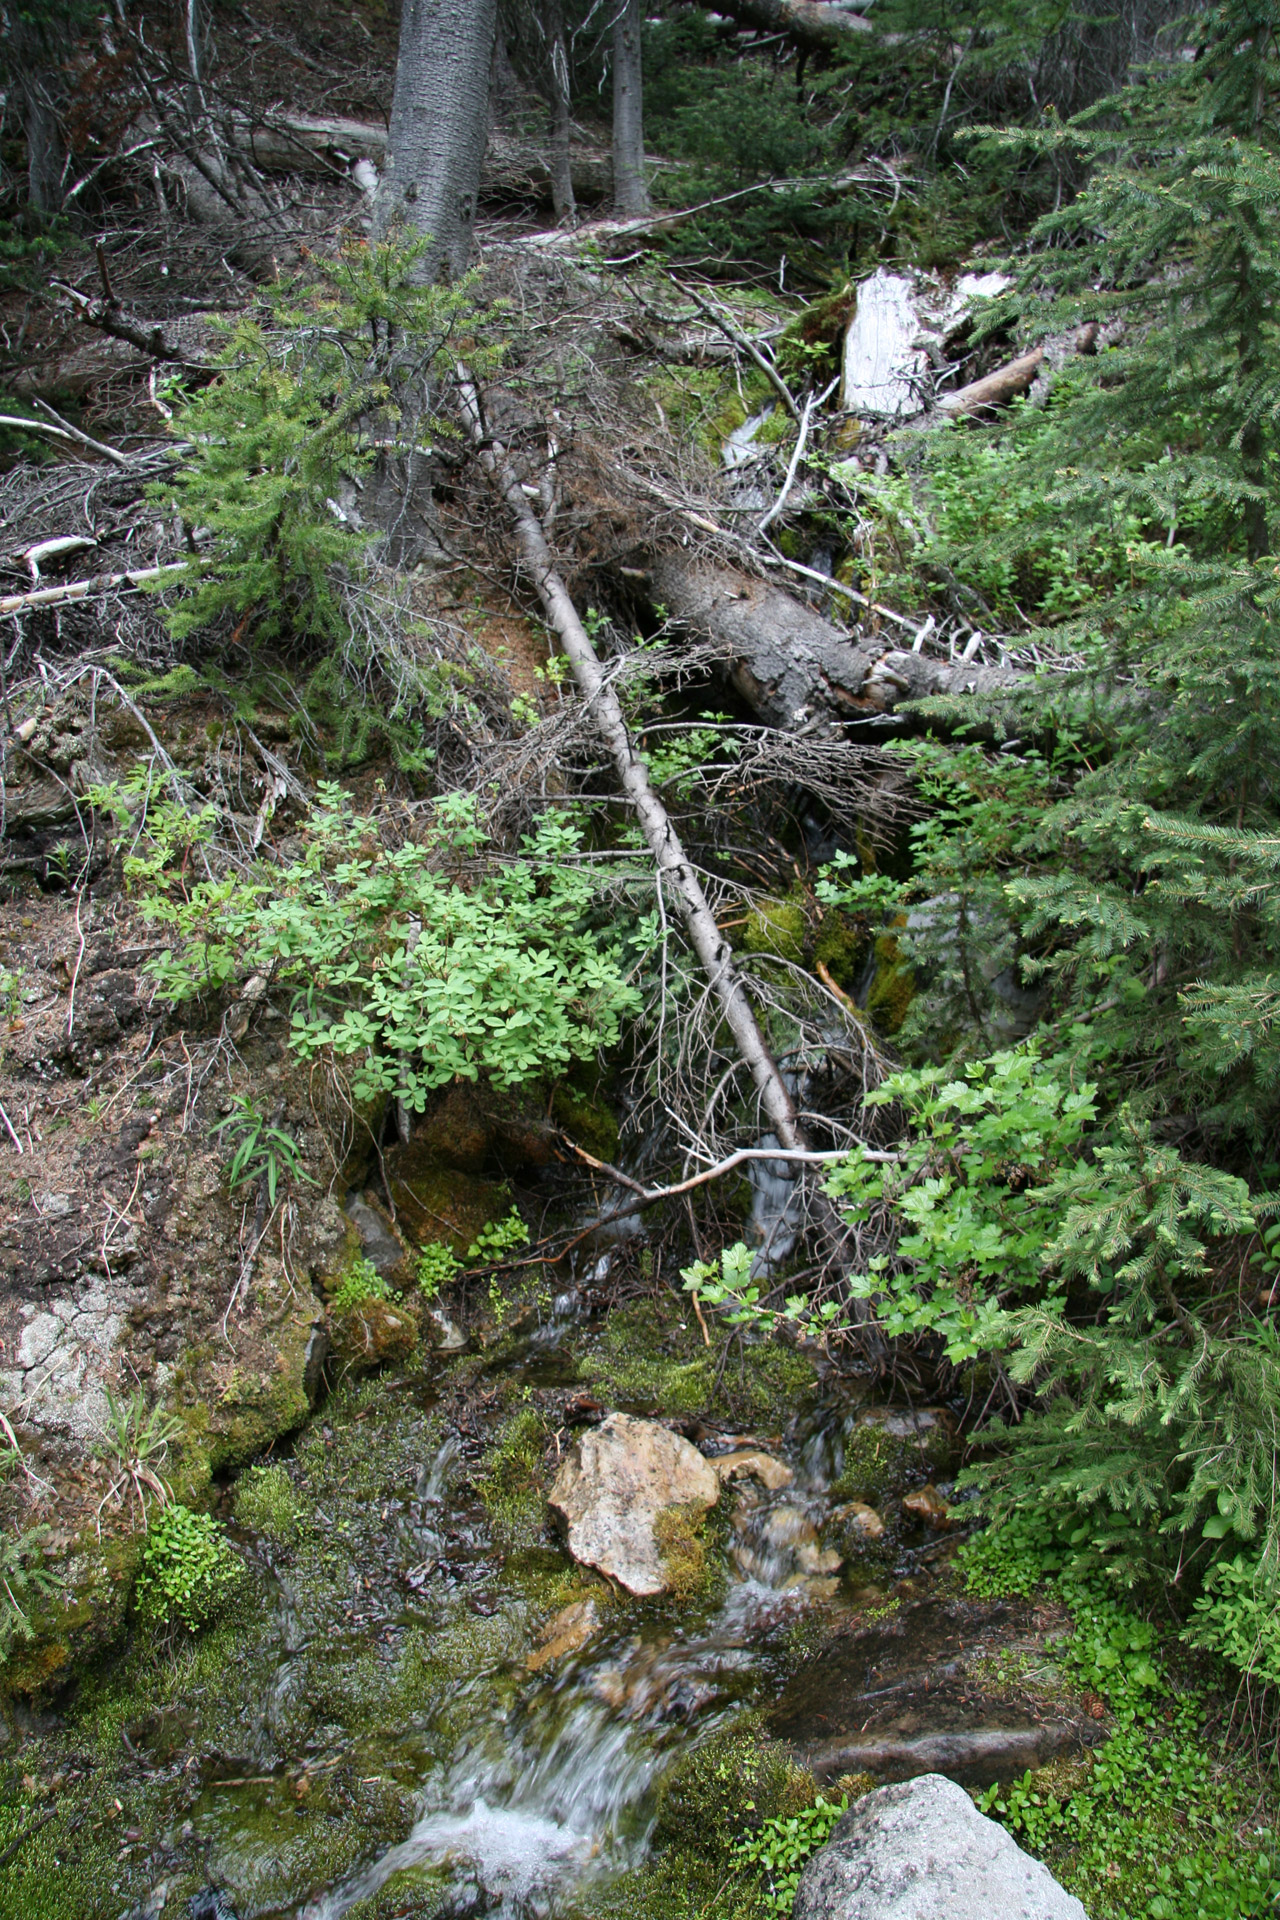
[{"x": 920, "y": 1850}]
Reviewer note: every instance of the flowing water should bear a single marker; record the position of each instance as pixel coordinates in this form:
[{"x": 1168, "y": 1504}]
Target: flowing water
[{"x": 375, "y": 1735}]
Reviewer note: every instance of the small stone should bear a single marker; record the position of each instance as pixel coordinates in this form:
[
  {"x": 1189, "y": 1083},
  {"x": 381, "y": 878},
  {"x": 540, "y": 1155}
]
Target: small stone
[
  {"x": 927, "y": 1504},
  {"x": 54, "y": 1206},
  {"x": 572, "y": 1627},
  {"x": 373, "y": 1334},
  {"x": 771, "y": 1473},
  {"x": 617, "y": 1480},
  {"x": 815, "y": 1559},
  {"x": 858, "y": 1518},
  {"x": 788, "y": 1527}
]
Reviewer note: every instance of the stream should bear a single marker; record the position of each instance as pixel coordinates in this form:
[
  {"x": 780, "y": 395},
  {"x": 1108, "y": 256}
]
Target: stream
[{"x": 374, "y": 1732}]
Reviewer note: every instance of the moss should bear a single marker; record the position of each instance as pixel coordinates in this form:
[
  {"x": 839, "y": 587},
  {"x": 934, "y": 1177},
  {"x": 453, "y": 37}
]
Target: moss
[
  {"x": 779, "y": 927},
  {"x": 678, "y": 1886},
  {"x": 439, "y": 1205},
  {"x": 647, "y": 1361},
  {"x": 841, "y": 948},
  {"x": 691, "y": 1572},
  {"x": 586, "y": 1118},
  {"x": 879, "y": 1455},
  {"x": 510, "y": 1480},
  {"x": 892, "y": 988},
  {"x": 265, "y": 1503},
  {"x": 728, "y": 1787}
]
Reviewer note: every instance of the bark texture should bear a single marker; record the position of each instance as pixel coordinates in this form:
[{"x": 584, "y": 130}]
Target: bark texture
[
  {"x": 38, "y": 87},
  {"x": 630, "y": 188},
  {"x": 559, "y": 87},
  {"x": 439, "y": 120},
  {"x": 789, "y": 663}
]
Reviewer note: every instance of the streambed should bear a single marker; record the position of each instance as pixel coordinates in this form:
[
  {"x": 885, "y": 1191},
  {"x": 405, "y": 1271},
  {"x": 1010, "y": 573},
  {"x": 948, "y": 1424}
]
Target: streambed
[{"x": 377, "y": 1730}]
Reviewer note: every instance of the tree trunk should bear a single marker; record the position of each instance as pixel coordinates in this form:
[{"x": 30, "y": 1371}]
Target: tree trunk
[
  {"x": 438, "y": 128},
  {"x": 562, "y": 200},
  {"x": 36, "y": 75},
  {"x": 790, "y": 664},
  {"x": 815, "y": 26},
  {"x": 630, "y": 189}
]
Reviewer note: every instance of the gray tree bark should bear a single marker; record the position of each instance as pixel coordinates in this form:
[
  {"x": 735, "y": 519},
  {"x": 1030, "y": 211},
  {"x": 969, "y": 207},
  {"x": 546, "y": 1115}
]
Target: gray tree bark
[
  {"x": 37, "y": 86},
  {"x": 562, "y": 200},
  {"x": 630, "y": 189},
  {"x": 439, "y": 121},
  {"x": 792, "y": 665}
]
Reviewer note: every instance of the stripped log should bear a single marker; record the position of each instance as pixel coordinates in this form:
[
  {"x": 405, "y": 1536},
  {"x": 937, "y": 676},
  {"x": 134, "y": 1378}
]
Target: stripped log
[
  {"x": 994, "y": 389},
  {"x": 714, "y": 952}
]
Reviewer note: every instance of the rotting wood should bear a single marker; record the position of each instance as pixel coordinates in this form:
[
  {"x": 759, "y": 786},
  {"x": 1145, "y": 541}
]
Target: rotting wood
[
  {"x": 82, "y": 589},
  {"x": 713, "y": 950}
]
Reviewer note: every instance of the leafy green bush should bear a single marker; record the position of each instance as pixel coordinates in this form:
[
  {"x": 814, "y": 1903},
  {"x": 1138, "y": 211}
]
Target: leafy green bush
[
  {"x": 1154, "y": 1821},
  {"x": 437, "y": 1266},
  {"x": 413, "y": 975},
  {"x": 189, "y": 1570},
  {"x": 498, "y": 1238},
  {"x": 361, "y": 1282},
  {"x": 1238, "y": 1617}
]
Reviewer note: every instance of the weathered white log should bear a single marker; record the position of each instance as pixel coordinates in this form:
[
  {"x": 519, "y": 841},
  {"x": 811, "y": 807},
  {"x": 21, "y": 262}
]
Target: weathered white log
[
  {"x": 816, "y": 25},
  {"x": 83, "y": 589},
  {"x": 713, "y": 950}
]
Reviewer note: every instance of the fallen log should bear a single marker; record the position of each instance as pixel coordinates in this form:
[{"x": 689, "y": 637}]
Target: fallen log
[
  {"x": 994, "y": 389},
  {"x": 814, "y": 25},
  {"x": 788, "y": 662},
  {"x": 713, "y": 950}
]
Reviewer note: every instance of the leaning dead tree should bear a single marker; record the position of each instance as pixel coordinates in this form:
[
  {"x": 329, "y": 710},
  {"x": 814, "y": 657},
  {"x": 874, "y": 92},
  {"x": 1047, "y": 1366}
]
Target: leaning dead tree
[{"x": 714, "y": 952}]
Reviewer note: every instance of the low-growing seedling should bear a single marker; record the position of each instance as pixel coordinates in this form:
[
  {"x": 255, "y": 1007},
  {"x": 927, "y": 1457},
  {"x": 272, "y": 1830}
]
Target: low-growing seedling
[
  {"x": 778, "y": 1849},
  {"x": 189, "y": 1570},
  {"x": 361, "y": 1282},
  {"x": 263, "y": 1149},
  {"x": 497, "y": 1239},
  {"x": 437, "y": 1266},
  {"x": 138, "y": 1445},
  {"x": 22, "y": 1578}
]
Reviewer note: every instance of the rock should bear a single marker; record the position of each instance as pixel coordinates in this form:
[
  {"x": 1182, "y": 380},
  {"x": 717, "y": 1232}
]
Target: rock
[
  {"x": 919, "y": 1850},
  {"x": 815, "y": 1559},
  {"x": 927, "y": 1504},
  {"x": 572, "y": 1627},
  {"x": 380, "y": 1244},
  {"x": 888, "y": 366},
  {"x": 618, "y": 1479},
  {"x": 373, "y": 1334},
  {"x": 788, "y": 1527},
  {"x": 918, "y": 1692},
  {"x": 857, "y": 1518},
  {"x": 771, "y": 1473}
]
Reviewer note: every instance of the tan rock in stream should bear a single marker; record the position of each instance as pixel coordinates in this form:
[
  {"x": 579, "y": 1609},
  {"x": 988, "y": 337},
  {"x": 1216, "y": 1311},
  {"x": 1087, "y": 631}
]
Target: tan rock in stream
[
  {"x": 618, "y": 1478},
  {"x": 927, "y": 1504},
  {"x": 857, "y": 1518},
  {"x": 752, "y": 1462},
  {"x": 572, "y": 1627}
]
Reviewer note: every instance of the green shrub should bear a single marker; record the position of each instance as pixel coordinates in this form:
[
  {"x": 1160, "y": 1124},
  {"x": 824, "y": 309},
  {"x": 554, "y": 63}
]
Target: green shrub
[
  {"x": 359, "y": 1283},
  {"x": 302, "y": 398},
  {"x": 1238, "y": 1617},
  {"x": 22, "y": 1579},
  {"x": 437, "y": 1266},
  {"x": 414, "y": 976},
  {"x": 189, "y": 1570}
]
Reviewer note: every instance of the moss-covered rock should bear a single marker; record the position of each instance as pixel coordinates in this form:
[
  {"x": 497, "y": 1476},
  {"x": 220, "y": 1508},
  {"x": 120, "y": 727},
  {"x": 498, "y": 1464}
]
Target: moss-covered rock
[
  {"x": 779, "y": 927},
  {"x": 728, "y": 1787},
  {"x": 373, "y": 1333},
  {"x": 648, "y": 1360}
]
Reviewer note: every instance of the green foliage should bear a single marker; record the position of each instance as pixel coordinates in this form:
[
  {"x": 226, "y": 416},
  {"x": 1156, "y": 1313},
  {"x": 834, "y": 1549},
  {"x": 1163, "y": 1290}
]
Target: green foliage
[
  {"x": 304, "y": 393},
  {"x": 414, "y": 975},
  {"x": 359, "y": 1283},
  {"x": 263, "y": 1151},
  {"x": 436, "y": 1268},
  {"x": 23, "y": 1578},
  {"x": 781, "y": 1846},
  {"x": 1238, "y": 1617},
  {"x": 138, "y": 1438},
  {"x": 189, "y": 1570},
  {"x": 1155, "y": 1821},
  {"x": 498, "y": 1238}
]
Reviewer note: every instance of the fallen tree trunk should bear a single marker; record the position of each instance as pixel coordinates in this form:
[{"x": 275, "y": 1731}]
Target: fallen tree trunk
[
  {"x": 791, "y": 664},
  {"x": 814, "y": 25},
  {"x": 713, "y": 950},
  {"x": 994, "y": 389}
]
